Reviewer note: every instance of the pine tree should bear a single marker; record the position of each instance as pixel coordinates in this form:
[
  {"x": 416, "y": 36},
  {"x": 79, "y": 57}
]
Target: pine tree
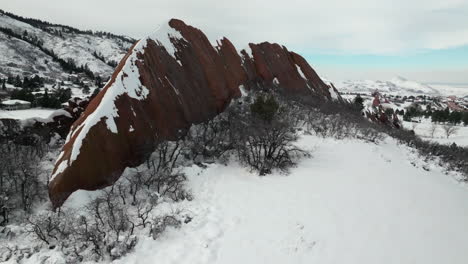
[
  {"x": 18, "y": 82},
  {"x": 45, "y": 100},
  {"x": 359, "y": 102},
  {"x": 4, "y": 84},
  {"x": 465, "y": 118}
]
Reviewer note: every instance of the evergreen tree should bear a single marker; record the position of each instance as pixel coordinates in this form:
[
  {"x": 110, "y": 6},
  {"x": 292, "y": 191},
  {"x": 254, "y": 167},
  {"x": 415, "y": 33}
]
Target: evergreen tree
[
  {"x": 455, "y": 117},
  {"x": 265, "y": 108},
  {"x": 86, "y": 89},
  {"x": 465, "y": 118},
  {"x": 45, "y": 100},
  {"x": 18, "y": 82},
  {"x": 4, "y": 84},
  {"x": 11, "y": 80},
  {"x": 359, "y": 102}
]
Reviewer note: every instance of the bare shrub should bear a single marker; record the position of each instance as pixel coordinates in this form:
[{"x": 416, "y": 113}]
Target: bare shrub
[
  {"x": 160, "y": 223},
  {"x": 450, "y": 130},
  {"x": 22, "y": 179},
  {"x": 264, "y": 138},
  {"x": 209, "y": 140},
  {"x": 49, "y": 227},
  {"x": 432, "y": 130}
]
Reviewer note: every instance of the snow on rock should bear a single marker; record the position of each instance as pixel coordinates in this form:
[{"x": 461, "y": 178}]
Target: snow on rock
[
  {"x": 299, "y": 70},
  {"x": 154, "y": 92},
  {"x": 275, "y": 81},
  {"x": 127, "y": 81},
  {"x": 163, "y": 36},
  {"x": 333, "y": 94},
  {"x": 243, "y": 91}
]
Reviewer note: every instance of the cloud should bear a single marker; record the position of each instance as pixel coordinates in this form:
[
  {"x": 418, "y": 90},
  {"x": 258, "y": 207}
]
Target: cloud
[
  {"x": 395, "y": 29},
  {"x": 353, "y": 26}
]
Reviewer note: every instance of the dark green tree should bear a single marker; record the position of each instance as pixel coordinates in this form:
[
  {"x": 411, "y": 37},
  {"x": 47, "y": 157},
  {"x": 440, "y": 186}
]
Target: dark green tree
[
  {"x": 455, "y": 117},
  {"x": 264, "y": 109},
  {"x": 358, "y": 102},
  {"x": 389, "y": 111},
  {"x": 465, "y": 118},
  {"x": 18, "y": 82}
]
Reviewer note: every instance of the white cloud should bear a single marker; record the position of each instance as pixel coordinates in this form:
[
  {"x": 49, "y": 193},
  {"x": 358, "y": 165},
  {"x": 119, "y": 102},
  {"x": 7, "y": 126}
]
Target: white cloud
[
  {"x": 354, "y": 26},
  {"x": 387, "y": 27}
]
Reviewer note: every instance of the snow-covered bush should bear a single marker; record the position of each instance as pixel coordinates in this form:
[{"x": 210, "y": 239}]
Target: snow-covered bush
[
  {"x": 22, "y": 177},
  {"x": 264, "y": 136},
  {"x": 106, "y": 227},
  {"x": 160, "y": 175},
  {"x": 103, "y": 228},
  {"x": 160, "y": 223},
  {"x": 209, "y": 140}
]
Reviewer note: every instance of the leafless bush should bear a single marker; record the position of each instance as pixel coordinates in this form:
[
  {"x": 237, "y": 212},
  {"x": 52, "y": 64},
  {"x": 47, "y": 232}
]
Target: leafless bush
[
  {"x": 340, "y": 125},
  {"x": 160, "y": 175},
  {"x": 209, "y": 140},
  {"x": 432, "y": 130},
  {"x": 450, "y": 130},
  {"x": 264, "y": 140},
  {"x": 49, "y": 227},
  {"x": 21, "y": 176},
  {"x": 160, "y": 223},
  {"x": 103, "y": 228}
]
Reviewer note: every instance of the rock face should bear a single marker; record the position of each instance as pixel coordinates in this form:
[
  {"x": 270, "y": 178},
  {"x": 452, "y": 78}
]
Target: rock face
[{"x": 166, "y": 82}]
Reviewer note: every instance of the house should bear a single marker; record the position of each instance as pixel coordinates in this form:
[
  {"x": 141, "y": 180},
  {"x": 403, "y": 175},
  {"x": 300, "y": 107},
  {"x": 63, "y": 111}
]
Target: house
[{"x": 15, "y": 104}]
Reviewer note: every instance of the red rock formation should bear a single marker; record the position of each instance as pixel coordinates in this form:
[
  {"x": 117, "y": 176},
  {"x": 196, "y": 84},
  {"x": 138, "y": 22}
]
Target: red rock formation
[{"x": 165, "y": 83}]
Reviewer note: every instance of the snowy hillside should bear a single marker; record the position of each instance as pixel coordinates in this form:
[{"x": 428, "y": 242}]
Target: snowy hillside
[
  {"x": 25, "y": 44},
  {"x": 398, "y": 86},
  {"x": 332, "y": 208}
]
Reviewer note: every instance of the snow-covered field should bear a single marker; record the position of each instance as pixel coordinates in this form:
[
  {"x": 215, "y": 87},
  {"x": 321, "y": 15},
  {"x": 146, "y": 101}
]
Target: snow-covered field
[
  {"x": 400, "y": 86},
  {"x": 26, "y": 113},
  {"x": 424, "y": 127},
  {"x": 377, "y": 205}
]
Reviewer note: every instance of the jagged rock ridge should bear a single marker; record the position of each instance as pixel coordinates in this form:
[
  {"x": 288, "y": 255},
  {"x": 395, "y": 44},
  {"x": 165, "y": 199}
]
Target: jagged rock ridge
[{"x": 166, "y": 82}]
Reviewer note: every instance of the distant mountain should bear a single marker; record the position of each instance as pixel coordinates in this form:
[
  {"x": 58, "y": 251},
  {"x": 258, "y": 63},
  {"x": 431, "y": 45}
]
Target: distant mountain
[
  {"x": 30, "y": 46},
  {"x": 396, "y": 86}
]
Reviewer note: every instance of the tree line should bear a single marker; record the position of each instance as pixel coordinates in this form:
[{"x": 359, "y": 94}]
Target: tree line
[
  {"x": 27, "y": 92},
  {"x": 437, "y": 116},
  {"x": 47, "y": 26}
]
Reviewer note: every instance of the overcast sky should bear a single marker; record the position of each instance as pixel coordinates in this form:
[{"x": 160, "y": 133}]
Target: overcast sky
[{"x": 426, "y": 40}]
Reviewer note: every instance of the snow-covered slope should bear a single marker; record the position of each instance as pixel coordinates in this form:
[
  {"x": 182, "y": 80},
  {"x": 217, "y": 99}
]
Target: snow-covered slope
[
  {"x": 383, "y": 206},
  {"x": 96, "y": 51},
  {"x": 21, "y": 58},
  {"x": 337, "y": 207},
  {"x": 396, "y": 86}
]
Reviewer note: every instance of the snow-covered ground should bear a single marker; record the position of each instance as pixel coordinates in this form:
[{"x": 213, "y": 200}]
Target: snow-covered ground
[
  {"x": 400, "y": 86},
  {"x": 382, "y": 204},
  {"x": 26, "y": 113},
  {"x": 424, "y": 127},
  {"x": 340, "y": 206}
]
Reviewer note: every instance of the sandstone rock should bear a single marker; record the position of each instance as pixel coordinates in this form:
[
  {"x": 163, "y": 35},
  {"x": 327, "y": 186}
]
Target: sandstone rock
[{"x": 167, "y": 82}]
